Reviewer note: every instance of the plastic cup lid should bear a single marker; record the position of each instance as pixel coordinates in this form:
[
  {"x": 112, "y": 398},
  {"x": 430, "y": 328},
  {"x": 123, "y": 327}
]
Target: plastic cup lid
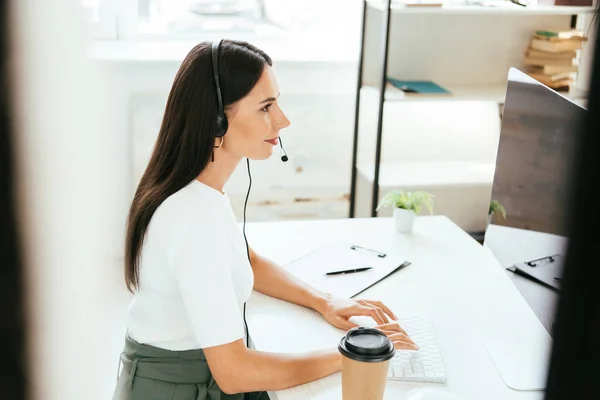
[{"x": 366, "y": 345}]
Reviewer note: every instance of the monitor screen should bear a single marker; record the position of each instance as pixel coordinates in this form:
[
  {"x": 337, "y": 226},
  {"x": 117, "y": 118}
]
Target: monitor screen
[{"x": 538, "y": 139}]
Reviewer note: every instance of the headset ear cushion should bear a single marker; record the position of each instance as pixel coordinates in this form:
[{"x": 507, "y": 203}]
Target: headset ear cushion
[{"x": 222, "y": 125}]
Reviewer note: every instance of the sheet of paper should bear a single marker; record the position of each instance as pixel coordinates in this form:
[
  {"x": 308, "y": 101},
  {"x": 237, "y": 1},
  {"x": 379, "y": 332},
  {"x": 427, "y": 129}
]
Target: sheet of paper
[{"x": 312, "y": 269}]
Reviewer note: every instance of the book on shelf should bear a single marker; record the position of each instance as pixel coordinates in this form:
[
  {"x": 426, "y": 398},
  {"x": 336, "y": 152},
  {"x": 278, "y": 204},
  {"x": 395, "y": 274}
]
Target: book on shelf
[
  {"x": 552, "y": 57},
  {"x": 418, "y": 87},
  {"x": 554, "y": 79},
  {"x": 552, "y": 46},
  {"x": 564, "y": 85},
  {"x": 559, "y": 62},
  {"x": 551, "y": 69},
  {"x": 560, "y": 34}
]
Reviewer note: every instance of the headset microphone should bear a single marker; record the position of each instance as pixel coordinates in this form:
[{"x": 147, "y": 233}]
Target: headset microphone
[{"x": 284, "y": 156}]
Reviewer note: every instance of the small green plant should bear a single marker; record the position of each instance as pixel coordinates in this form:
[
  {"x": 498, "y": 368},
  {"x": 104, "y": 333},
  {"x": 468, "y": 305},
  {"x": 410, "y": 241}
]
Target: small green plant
[
  {"x": 413, "y": 201},
  {"x": 496, "y": 207}
]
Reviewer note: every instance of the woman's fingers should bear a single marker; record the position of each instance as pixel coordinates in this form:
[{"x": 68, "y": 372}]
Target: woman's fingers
[
  {"x": 400, "y": 336},
  {"x": 368, "y": 312},
  {"x": 359, "y": 309},
  {"x": 403, "y": 345},
  {"x": 385, "y": 308},
  {"x": 397, "y": 334},
  {"x": 375, "y": 312},
  {"x": 400, "y": 339},
  {"x": 382, "y": 315},
  {"x": 392, "y": 326}
]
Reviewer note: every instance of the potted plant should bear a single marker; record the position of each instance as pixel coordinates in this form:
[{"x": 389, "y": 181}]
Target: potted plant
[
  {"x": 495, "y": 207},
  {"x": 407, "y": 205}
]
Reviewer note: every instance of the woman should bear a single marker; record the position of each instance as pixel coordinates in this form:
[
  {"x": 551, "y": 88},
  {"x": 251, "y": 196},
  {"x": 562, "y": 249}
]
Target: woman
[{"x": 186, "y": 260}]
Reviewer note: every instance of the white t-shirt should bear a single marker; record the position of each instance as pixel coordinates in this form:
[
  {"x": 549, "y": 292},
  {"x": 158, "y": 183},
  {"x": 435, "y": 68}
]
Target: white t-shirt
[{"x": 194, "y": 274}]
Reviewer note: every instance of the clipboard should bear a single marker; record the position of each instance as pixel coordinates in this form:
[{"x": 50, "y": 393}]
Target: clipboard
[
  {"x": 546, "y": 271},
  {"x": 312, "y": 267}
]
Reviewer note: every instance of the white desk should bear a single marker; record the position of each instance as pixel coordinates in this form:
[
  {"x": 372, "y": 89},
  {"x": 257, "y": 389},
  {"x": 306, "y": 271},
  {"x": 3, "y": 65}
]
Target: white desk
[
  {"x": 453, "y": 279},
  {"x": 511, "y": 246}
]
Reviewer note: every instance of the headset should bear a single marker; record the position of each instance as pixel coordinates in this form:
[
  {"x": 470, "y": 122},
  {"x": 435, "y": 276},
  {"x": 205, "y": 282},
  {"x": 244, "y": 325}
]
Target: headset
[
  {"x": 220, "y": 131},
  {"x": 221, "y": 123}
]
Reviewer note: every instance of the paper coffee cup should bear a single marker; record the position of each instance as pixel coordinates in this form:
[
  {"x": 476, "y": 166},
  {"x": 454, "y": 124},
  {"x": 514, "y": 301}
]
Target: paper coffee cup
[{"x": 366, "y": 354}]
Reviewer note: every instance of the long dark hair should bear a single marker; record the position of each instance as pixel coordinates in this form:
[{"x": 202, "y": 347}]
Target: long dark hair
[{"x": 187, "y": 133}]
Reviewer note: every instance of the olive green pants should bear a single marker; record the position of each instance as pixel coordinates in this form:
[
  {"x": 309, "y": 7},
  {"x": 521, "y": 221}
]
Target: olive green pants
[{"x": 150, "y": 373}]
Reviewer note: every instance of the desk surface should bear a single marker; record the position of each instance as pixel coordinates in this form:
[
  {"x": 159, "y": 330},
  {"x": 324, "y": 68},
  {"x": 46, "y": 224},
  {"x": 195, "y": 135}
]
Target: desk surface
[
  {"x": 511, "y": 246},
  {"x": 454, "y": 280}
]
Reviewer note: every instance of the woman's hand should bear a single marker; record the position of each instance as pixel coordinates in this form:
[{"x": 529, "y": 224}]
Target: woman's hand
[
  {"x": 337, "y": 312},
  {"x": 398, "y": 336}
]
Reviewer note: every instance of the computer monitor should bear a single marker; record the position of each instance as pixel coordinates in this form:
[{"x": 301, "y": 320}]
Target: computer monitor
[
  {"x": 539, "y": 138},
  {"x": 540, "y": 132},
  {"x": 540, "y": 129}
]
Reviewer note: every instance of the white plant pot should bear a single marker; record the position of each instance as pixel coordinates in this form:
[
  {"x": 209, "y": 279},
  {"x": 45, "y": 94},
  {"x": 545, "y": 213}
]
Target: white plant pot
[{"x": 404, "y": 220}]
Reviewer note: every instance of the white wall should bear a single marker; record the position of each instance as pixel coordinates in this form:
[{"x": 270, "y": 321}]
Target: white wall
[{"x": 70, "y": 163}]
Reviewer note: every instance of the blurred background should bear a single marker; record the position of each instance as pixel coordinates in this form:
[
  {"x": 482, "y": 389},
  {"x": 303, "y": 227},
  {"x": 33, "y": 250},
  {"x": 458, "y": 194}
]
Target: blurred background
[
  {"x": 91, "y": 78},
  {"x": 316, "y": 45}
]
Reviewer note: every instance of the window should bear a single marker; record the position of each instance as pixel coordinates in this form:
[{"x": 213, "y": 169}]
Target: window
[
  {"x": 185, "y": 19},
  {"x": 102, "y": 16},
  {"x": 90, "y": 10}
]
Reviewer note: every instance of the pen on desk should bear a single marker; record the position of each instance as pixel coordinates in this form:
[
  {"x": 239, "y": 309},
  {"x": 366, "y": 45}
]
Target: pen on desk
[
  {"x": 379, "y": 254},
  {"x": 348, "y": 271}
]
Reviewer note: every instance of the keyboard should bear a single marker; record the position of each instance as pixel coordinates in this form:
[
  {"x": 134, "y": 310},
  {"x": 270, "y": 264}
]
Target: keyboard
[{"x": 424, "y": 365}]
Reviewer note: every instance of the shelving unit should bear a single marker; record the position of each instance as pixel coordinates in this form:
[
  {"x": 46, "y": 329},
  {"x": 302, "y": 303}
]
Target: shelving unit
[
  {"x": 440, "y": 44},
  {"x": 459, "y": 93},
  {"x": 493, "y": 8}
]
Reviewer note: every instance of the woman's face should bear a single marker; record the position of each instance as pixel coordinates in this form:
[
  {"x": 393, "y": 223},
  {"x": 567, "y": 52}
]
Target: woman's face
[{"x": 255, "y": 121}]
